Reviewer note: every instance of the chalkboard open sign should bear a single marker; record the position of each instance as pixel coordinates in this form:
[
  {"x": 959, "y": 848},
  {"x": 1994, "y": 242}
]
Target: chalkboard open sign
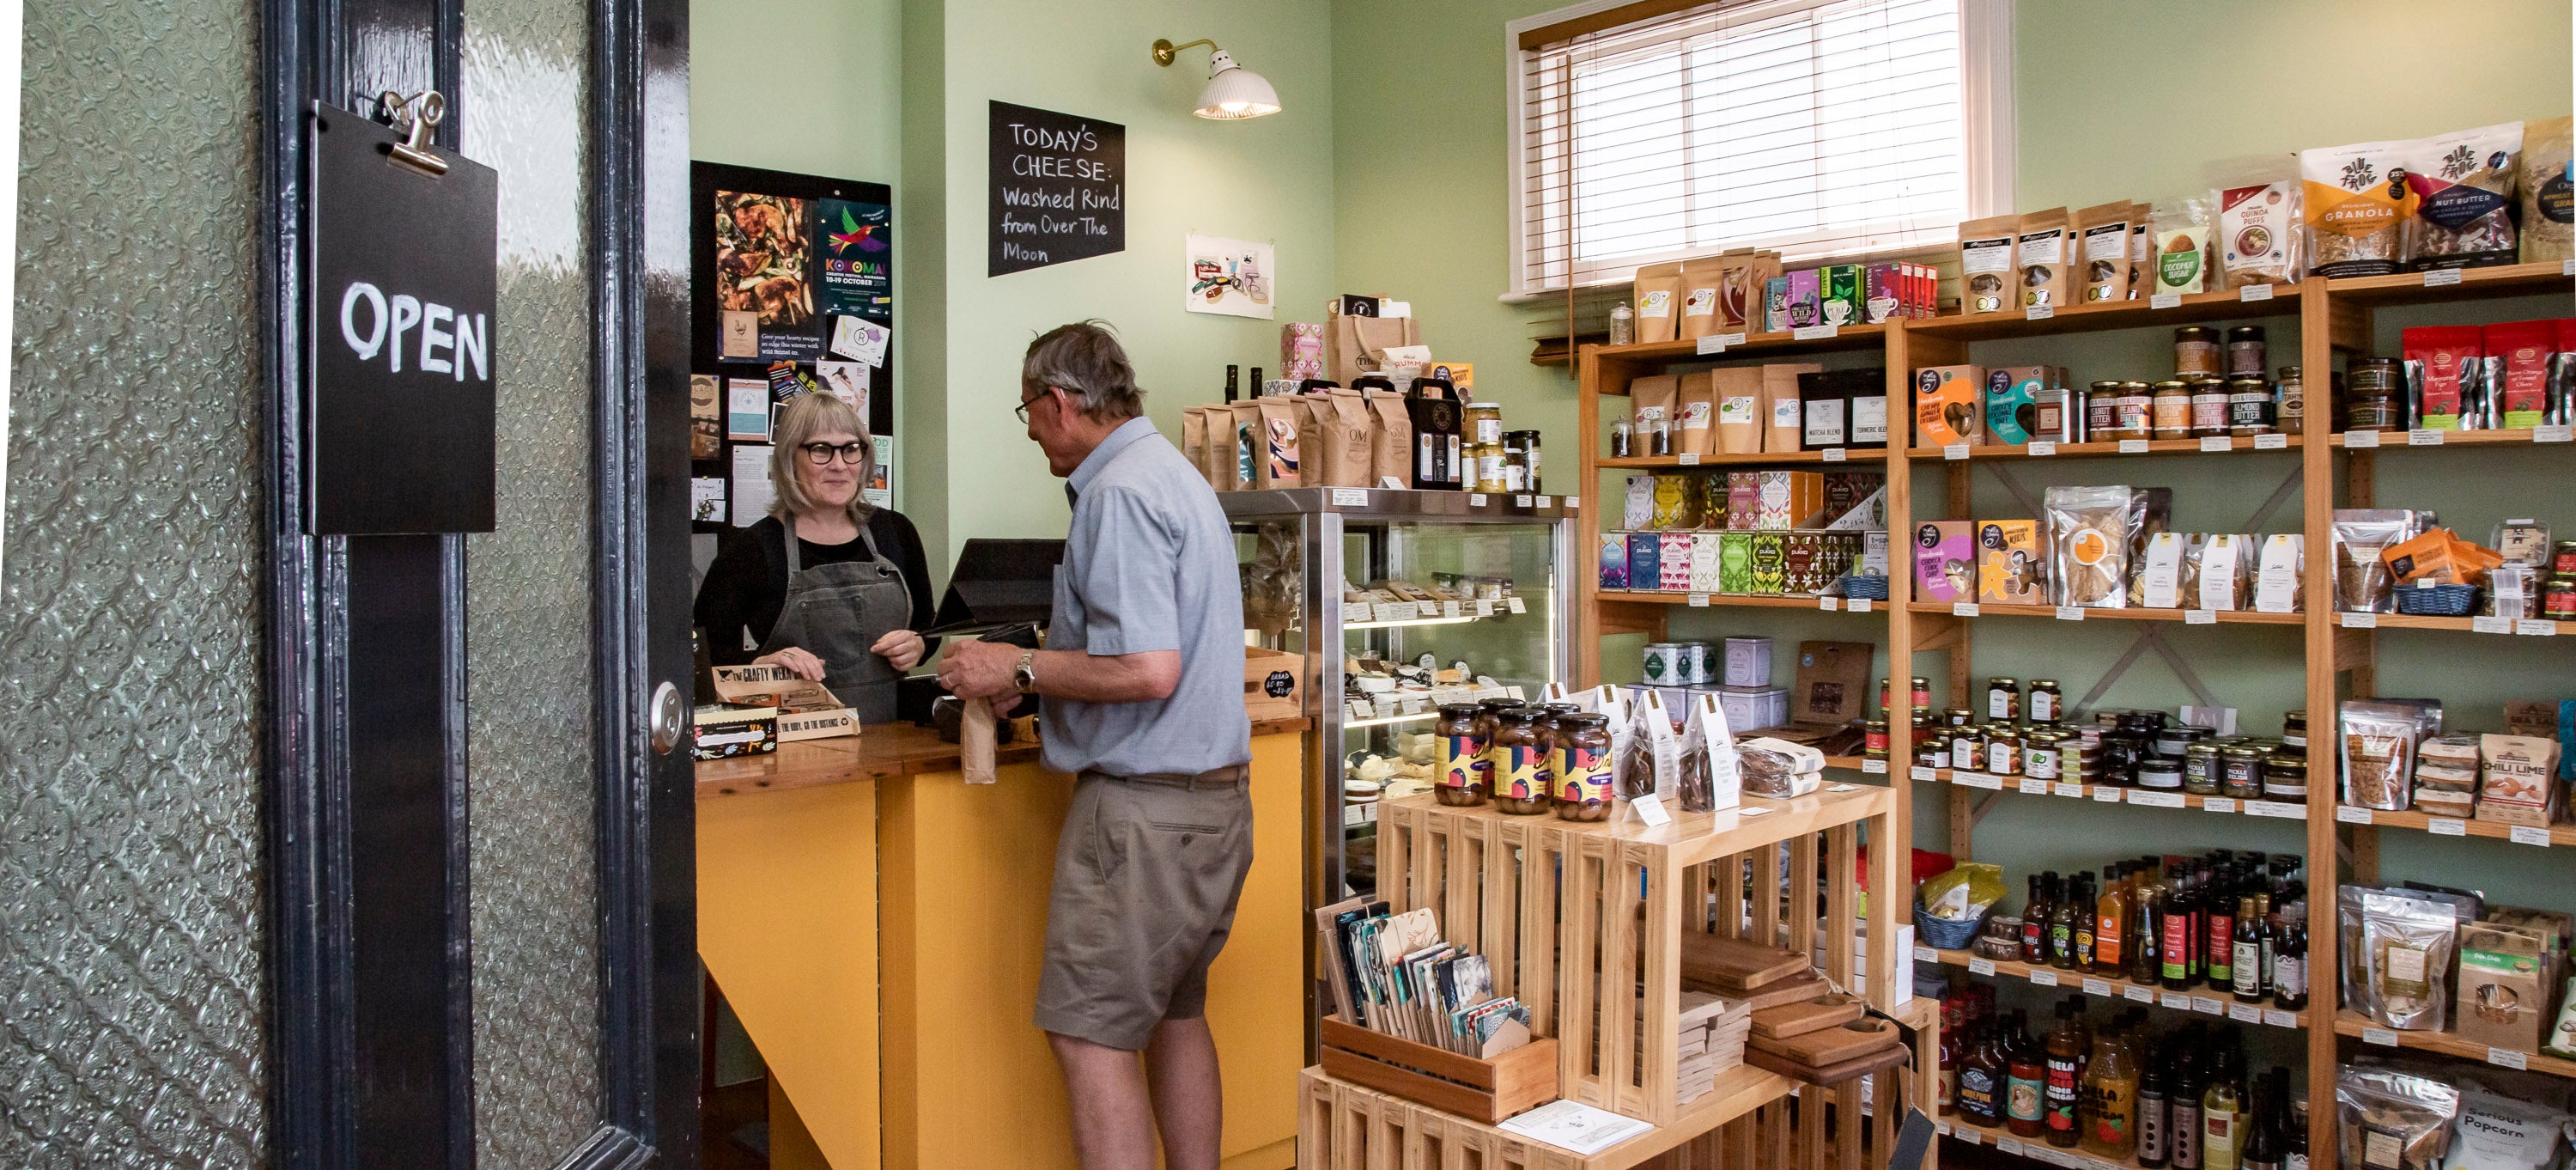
[{"x": 1058, "y": 187}]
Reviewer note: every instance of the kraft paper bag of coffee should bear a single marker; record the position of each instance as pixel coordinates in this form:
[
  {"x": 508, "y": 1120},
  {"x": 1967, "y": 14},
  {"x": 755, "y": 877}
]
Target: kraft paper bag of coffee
[
  {"x": 1987, "y": 274},
  {"x": 1696, "y": 412},
  {"x": 1654, "y": 402},
  {"x": 1277, "y": 463},
  {"x": 1194, "y": 432},
  {"x": 1703, "y": 282},
  {"x": 1249, "y": 448},
  {"x": 1784, "y": 419},
  {"x": 1342, "y": 450},
  {"x": 1738, "y": 392},
  {"x": 1659, "y": 302},
  {"x": 1216, "y": 455},
  {"x": 1391, "y": 452},
  {"x": 1311, "y": 422}
]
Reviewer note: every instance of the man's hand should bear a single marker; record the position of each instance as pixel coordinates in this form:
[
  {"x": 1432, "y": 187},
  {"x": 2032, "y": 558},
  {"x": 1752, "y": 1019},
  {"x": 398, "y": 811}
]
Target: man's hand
[{"x": 980, "y": 670}]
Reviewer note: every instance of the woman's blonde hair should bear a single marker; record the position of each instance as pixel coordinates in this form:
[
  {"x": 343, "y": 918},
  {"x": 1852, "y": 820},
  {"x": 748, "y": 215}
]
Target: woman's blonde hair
[{"x": 810, "y": 414}]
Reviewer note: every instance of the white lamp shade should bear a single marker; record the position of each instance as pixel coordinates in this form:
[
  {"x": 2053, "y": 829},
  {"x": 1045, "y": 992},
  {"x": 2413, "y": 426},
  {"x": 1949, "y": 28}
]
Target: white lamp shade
[{"x": 1235, "y": 92}]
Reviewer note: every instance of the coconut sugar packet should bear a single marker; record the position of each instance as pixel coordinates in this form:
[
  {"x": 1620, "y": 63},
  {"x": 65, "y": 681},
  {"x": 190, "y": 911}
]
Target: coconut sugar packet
[{"x": 2181, "y": 231}]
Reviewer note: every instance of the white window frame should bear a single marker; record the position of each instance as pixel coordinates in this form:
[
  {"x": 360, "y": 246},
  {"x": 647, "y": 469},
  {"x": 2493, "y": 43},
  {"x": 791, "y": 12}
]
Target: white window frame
[{"x": 1987, "y": 125}]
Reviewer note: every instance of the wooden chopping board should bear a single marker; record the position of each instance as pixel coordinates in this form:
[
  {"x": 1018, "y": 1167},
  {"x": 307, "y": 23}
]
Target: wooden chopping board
[
  {"x": 1874, "y": 1060},
  {"x": 1736, "y": 965},
  {"x": 1788, "y": 992},
  {"x": 1828, "y": 1046},
  {"x": 1798, "y": 1019}
]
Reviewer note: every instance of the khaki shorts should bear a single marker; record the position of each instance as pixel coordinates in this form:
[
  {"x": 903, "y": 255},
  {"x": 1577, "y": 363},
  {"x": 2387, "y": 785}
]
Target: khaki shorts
[{"x": 1147, "y": 873}]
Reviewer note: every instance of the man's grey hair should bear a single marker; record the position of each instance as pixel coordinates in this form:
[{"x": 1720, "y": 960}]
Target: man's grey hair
[{"x": 1084, "y": 360}]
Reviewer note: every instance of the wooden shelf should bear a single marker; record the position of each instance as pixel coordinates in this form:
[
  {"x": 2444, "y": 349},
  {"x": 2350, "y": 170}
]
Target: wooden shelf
[
  {"x": 2559, "y": 835},
  {"x": 2402, "y": 621},
  {"x": 2238, "y": 446},
  {"x": 2197, "y": 999},
  {"x": 2348, "y": 1023},
  {"x": 1731, "y": 600},
  {"x": 2394, "y": 440},
  {"x": 1755, "y": 459},
  {"x": 2123, "y": 794},
  {"x": 2408, "y": 288},
  {"x": 2005, "y": 1142},
  {"x": 2091, "y": 318},
  {"x": 1766, "y": 345},
  {"x": 2224, "y": 616}
]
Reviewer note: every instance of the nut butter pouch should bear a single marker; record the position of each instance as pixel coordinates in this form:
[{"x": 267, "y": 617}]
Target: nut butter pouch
[
  {"x": 2040, "y": 256},
  {"x": 1784, "y": 418},
  {"x": 1986, "y": 268},
  {"x": 1391, "y": 451},
  {"x": 2102, "y": 251},
  {"x": 1279, "y": 460},
  {"x": 1653, "y": 403},
  {"x": 1659, "y": 302},
  {"x": 1194, "y": 436},
  {"x": 1738, "y": 394},
  {"x": 1702, "y": 281},
  {"x": 1947, "y": 407},
  {"x": 1694, "y": 414}
]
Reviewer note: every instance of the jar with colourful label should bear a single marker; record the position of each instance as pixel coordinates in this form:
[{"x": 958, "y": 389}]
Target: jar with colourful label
[
  {"x": 1583, "y": 768},
  {"x": 1517, "y": 755},
  {"x": 1466, "y": 777}
]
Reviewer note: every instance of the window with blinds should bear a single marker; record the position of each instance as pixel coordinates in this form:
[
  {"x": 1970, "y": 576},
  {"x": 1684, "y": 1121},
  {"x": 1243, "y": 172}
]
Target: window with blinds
[{"x": 1815, "y": 128}]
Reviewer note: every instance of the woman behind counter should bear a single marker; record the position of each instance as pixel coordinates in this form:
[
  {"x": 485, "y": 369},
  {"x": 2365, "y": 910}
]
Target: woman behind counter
[{"x": 839, "y": 603}]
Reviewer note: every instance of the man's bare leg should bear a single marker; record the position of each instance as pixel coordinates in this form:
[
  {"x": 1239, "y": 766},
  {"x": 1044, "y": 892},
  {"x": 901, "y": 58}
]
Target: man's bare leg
[
  {"x": 1189, "y": 1102},
  {"x": 1113, "y": 1121}
]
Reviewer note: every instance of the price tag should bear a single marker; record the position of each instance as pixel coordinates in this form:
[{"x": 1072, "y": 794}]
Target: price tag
[
  {"x": 2100, "y": 987},
  {"x": 2217, "y": 443},
  {"x": 1699, "y": 601},
  {"x": 2106, "y": 795},
  {"x": 2223, "y": 804},
  {"x": 1689, "y": 460},
  {"x": 1449, "y": 609},
  {"x": 2200, "y": 617},
  {"x": 2039, "y": 312},
  {"x": 1978, "y": 780},
  {"x": 1835, "y": 455},
  {"x": 1484, "y": 607},
  {"x": 1477, "y": 499},
  {"x": 2133, "y": 446},
  {"x": 2352, "y": 814},
  {"x": 1730, "y": 339},
  {"x": 2446, "y": 826},
  {"x": 1362, "y": 711},
  {"x": 1981, "y": 966},
  {"x": 1925, "y": 775},
  {"x": 1860, "y": 605},
  {"x": 2070, "y": 613},
  {"x": 1350, "y": 497},
  {"x": 2560, "y": 433},
  {"x": 1817, "y": 332},
  {"x": 1545, "y": 501},
  {"x": 2529, "y": 835},
  {"x": 2280, "y": 1019},
  {"x": 2140, "y": 994},
  {"x": 2040, "y": 978},
  {"x": 2030, "y": 787},
  {"x": 1874, "y": 767},
  {"x": 2567, "y": 268},
  {"x": 1955, "y": 452},
  {"x": 1923, "y": 954},
  {"x": 2207, "y": 1006},
  {"x": 1354, "y": 611},
  {"x": 1966, "y": 1135},
  {"x": 1963, "y": 609},
  {"x": 1942, "y": 1128},
  {"x": 2536, "y": 627},
  {"x": 1572, "y": 503},
  {"x": 2507, "y": 1058},
  {"x": 1516, "y": 605},
  {"x": 2276, "y": 808},
  {"x": 2491, "y": 625},
  {"x": 2165, "y": 301},
  {"x": 2423, "y": 438},
  {"x": 1650, "y": 809},
  {"x": 2442, "y": 278},
  {"x": 2155, "y": 799},
  {"x": 1520, "y": 501},
  {"x": 1394, "y": 613},
  {"x": 1829, "y": 603},
  {"x": 2175, "y": 1000},
  {"x": 2244, "y": 1013},
  {"x": 2254, "y": 292},
  {"x": 2063, "y": 788},
  {"x": 2271, "y": 442},
  {"x": 2042, "y": 447},
  {"x": 1753, "y": 812},
  {"x": 2361, "y": 439},
  {"x": 2007, "y": 1146},
  {"x": 2359, "y": 621},
  {"x": 1714, "y": 343},
  {"x": 2379, "y": 1036}
]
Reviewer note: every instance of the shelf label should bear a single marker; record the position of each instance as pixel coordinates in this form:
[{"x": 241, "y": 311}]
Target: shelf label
[
  {"x": 1354, "y": 611},
  {"x": 2165, "y": 301},
  {"x": 1825, "y": 332},
  {"x": 2507, "y": 1058},
  {"x": 1572, "y": 503},
  {"x": 2536, "y": 627},
  {"x": 1963, "y": 609},
  {"x": 2352, "y": 814},
  {"x": 2359, "y": 621},
  {"x": 2275, "y": 442},
  {"x": 2442, "y": 278},
  {"x": 1981, "y": 966},
  {"x": 1860, "y": 605},
  {"x": 2200, "y": 617},
  {"x": 1362, "y": 711},
  {"x": 1478, "y": 499},
  {"x": 1449, "y": 609},
  {"x": 1713, "y": 343},
  {"x": 1966, "y": 1135},
  {"x": 1942, "y": 1128},
  {"x": 1484, "y": 607},
  {"x": 2039, "y": 312},
  {"x": 2219, "y": 804},
  {"x": 2244, "y": 1013},
  {"x": 2254, "y": 292},
  {"x": 2140, "y": 994},
  {"x": 2133, "y": 446},
  {"x": 1350, "y": 497},
  {"x": 2042, "y": 447},
  {"x": 2064, "y": 788},
  {"x": 2446, "y": 826},
  {"x": 2100, "y": 987},
  {"x": 2491, "y": 625},
  {"x": 1925, "y": 775},
  {"x": 2030, "y": 787},
  {"x": 2207, "y": 1006},
  {"x": 2005, "y": 1145},
  {"x": 2155, "y": 799},
  {"x": 1699, "y": 601},
  {"x": 2567, "y": 267},
  {"x": 1955, "y": 452},
  {"x": 1688, "y": 460},
  {"x": 1874, "y": 767},
  {"x": 1650, "y": 809},
  {"x": 2175, "y": 1000},
  {"x": 2280, "y": 1019},
  {"x": 1546, "y": 501},
  {"x": 1730, "y": 339},
  {"x": 1399, "y": 611},
  {"x": 2070, "y": 613},
  {"x": 2106, "y": 795},
  {"x": 2217, "y": 443},
  {"x": 2560, "y": 433},
  {"x": 2529, "y": 835},
  {"x": 1829, "y": 603},
  {"x": 2362, "y": 439},
  {"x": 1926, "y": 955},
  {"x": 2042, "y": 978},
  {"x": 1835, "y": 455},
  {"x": 1520, "y": 501},
  {"x": 1979, "y": 780},
  {"x": 2276, "y": 808},
  {"x": 1516, "y": 605},
  {"x": 2379, "y": 1036},
  {"x": 2423, "y": 438}
]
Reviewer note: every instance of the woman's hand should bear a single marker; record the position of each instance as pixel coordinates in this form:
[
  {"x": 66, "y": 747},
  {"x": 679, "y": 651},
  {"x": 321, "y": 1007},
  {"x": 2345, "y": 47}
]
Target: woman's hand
[
  {"x": 799, "y": 662},
  {"x": 900, "y": 648}
]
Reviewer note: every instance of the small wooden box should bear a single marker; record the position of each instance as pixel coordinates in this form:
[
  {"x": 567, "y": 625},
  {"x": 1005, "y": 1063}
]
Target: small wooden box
[
  {"x": 1483, "y": 1090},
  {"x": 1274, "y": 684}
]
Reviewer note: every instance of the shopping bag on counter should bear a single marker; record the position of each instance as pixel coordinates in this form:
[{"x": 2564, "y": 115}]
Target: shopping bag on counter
[{"x": 1357, "y": 345}]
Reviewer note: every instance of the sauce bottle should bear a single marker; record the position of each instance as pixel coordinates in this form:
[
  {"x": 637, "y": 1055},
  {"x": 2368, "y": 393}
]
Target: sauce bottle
[
  {"x": 2026, "y": 1084},
  {"x": 2111, "y": 1088},
  {"x": 2111, "y": 920},
  {"x": 2065, "y": 1054},
  {"x": 2155, "y": 1112}
]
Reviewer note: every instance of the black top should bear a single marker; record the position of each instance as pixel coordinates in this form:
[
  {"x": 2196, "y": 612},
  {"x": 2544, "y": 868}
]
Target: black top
[{"x": 747, "y": 585}]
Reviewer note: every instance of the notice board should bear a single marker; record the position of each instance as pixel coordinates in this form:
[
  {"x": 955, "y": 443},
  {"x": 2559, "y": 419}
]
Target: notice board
[{"x": 1058, "y": 188}]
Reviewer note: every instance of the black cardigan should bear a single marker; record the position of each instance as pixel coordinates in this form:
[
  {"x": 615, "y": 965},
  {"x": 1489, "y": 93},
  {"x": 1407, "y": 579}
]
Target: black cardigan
[{"x": 747, "y": 585}]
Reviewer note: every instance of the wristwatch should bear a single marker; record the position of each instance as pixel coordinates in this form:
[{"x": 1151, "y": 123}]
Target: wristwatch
[{"x": 1025, "y": 675}]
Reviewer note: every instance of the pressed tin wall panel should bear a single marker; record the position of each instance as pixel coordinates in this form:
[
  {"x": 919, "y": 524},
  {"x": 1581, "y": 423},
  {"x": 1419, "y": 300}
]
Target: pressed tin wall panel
[
  {"x": 529, "y": 619},
  {"x": 131, "y": 1015}
]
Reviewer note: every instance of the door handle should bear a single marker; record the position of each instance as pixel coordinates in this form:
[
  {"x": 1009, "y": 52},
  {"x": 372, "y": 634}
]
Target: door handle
[{"x": 669, "y": 715}]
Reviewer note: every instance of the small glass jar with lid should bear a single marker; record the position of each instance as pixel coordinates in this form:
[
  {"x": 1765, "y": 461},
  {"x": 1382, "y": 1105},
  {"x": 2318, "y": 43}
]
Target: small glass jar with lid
[
  {"x": 1582, "y": 779},
  {"x": 2040, "y": 759},
  {"x": 1967, "y": 748},
  {"x": 2241, "y": 771},
  {"x": 2250, "y": 408},
  {"x": 2374, "y": 395},
  {"x": 2003, "y": 699},
  {"x": 2172, "y": 410},
  {"x": 1518, "y": 751},
  {"x": 2294, "y": 733},
  {"x": 2208, "y": 407},
  {"x": 2201, "y": 775},
  {"x": 1958, "y": 716},
  {"x": 2289, "y": 402},
  {"x": 1516, "y": 477},
  {"x": 1534, "y": 455},
  {"x": 2003, "y": 749},
  {"x": 1466, "y": 777},
  {"x": 2135, "y": 416},
  {"x": 2161, "y": 776},
  {"x": 1484, "y": 424},
  {"x": 1875, "y": 739},
  {"x": 2196, "y": 351},
  {"x": 2285, "y": 776},
  {"x": 2047, "y": 704},
  {"x": 2245, "y": 355},
  {"x": 2101, "y": 410}
]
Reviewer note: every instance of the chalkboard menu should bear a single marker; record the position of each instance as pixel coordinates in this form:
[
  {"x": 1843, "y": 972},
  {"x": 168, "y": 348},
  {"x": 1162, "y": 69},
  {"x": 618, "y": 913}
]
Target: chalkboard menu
[{"x": 1058, "y": 188}]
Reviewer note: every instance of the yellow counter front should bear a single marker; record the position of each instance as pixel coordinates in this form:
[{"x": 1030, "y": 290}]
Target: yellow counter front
[{"x": 877, "y": 925}]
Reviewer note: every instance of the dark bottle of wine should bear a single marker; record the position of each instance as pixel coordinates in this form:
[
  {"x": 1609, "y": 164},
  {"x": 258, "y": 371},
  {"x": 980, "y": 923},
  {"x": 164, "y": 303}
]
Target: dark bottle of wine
[
  {"x": 2248, "y": 959},
  {"x": 2290, "y": 967},
  {"x": 2034, "y": 919},
  {"x": 2266, "y": 1145}
]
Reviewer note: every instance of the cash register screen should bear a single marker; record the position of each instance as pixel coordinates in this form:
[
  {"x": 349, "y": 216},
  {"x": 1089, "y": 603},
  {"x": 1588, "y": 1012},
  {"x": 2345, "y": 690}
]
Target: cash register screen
[{"x": 998, "y": 582}]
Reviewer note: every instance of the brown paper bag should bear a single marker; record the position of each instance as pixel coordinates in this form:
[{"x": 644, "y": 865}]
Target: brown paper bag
[
  {"x": 1659, "y": 302},
  {"x": 1244, "y": 454},
  {"x": 1702, "y": 283},
  {"x": 1694, "y": 412},
  {"x": 1739, "y": 296},
  {"x": 1784, "y": 419},
  {"x": 1357, "y": 345},
  {"x": 1194, "y": 438},
  {"x": 1737, "y": 391},
  {"x": 1391, "y": 451},
  {"x": 1345, "y": 450},
  {"x": 1276, "y": 459},
  {"x": 1988, "y": 275},
  {"x": 1653, "y": 403}
]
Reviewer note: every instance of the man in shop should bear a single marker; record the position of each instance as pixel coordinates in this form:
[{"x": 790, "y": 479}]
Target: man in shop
[{"x": 1143, "y": 680}]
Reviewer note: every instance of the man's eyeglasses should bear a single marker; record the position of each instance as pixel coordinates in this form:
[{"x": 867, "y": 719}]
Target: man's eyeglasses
[
  {"x": 820, "y": 454},
  {"x": 1022, "y": 409}
]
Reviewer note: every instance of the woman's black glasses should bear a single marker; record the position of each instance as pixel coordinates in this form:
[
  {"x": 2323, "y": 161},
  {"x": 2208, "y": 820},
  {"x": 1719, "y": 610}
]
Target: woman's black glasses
[{"x": 820, "y": 454}]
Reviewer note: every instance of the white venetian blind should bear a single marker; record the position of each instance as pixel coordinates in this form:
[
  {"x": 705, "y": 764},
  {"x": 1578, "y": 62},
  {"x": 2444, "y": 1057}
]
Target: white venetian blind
[{"x": 1811, "y": 127}]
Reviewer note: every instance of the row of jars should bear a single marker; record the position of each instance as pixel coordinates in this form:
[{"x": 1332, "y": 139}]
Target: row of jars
[
  {"x": 2005, "y": 700},
  {"x": 2142, "y": 749},
  {"x": 1525, "y": 758}
]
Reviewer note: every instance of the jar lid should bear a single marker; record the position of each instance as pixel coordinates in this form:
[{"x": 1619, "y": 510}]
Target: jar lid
[
  {"x": 2111, "y": 386},
  {"x": 2043, "y": 682},
  {"x": 2001, "y": 679},
  {"x": 2195, "y": 333},
  {"x": 1958, "y": 711},
  {"x": 2289, "y": 371},
  {"x": 1458, "y": 710},
  {"x": 2249, "y": 385},
  {"x": 2133, "y": 385},
  {"x": 2174, "y": 384},
  {"x": 2243, "y": 751},
  {"x": 2160, "y": 767},
  {"x": 2202, "y": 749},
  {"x": 2245, "y": 333},
  {"x": 1589, "y": 720}
]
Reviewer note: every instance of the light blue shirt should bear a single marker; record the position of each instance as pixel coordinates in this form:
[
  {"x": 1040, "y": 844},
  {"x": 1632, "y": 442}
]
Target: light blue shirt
[{"x": 1149, "y": 565}]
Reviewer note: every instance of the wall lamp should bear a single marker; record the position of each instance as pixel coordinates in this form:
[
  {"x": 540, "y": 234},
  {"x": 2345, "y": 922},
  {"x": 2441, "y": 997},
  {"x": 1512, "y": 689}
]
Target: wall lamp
[{"x": 1232, "y": 91}]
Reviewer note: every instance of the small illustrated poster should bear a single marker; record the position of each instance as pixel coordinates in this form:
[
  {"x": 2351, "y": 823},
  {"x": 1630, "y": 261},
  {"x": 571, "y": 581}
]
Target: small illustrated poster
[
  {"x": 764, "y": 257},
  {"x": 751, "y": 490},
  {"x": 879, "y": 491},
  {"x": 857, "y": 246},
  {"x": 707, "y": 498},
  {"x": 706, "y": 417},
  {"x": 1231, "y": 277},
  {"x": 747, "y": 410},
  {"x": 848, "y": 381},
  {"x": 860, "y": 339}
]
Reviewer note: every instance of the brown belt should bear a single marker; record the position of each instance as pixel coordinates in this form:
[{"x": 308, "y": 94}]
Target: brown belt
[{"x": 1225, "y": 777}]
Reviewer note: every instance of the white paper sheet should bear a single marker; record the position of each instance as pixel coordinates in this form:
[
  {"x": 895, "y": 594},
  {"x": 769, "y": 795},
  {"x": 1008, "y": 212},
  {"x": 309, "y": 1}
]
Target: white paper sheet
[
  {"x": 1571, "y": 1125},
  {"x": 751, "y": 491},
  {"x": 848, "y": 381},
  {"x": 707, "y": 498},
  {"x": 860, "y": 339}
]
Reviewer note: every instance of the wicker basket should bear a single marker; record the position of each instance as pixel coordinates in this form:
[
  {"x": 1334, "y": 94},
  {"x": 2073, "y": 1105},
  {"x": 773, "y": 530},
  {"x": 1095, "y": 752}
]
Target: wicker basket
[{"x": 2438, "y": 600}]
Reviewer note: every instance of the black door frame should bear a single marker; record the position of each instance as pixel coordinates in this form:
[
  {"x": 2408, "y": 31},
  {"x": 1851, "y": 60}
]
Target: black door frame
[{"x": 370, "y": 965}]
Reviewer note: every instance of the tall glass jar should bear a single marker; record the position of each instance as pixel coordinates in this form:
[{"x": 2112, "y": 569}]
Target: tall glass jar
[
  {"x": 1466, "y": 777},
  {"x": 1518, "y": 756},
  {"x": 1583, "y": 768}
]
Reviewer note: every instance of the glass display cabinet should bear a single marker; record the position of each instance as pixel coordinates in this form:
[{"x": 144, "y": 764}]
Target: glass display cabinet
[{"x": 1397, "y": 601}]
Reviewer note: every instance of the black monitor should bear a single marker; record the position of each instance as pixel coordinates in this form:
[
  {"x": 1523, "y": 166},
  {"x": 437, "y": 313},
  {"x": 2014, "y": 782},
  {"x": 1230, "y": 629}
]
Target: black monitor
[{"x": 997, "y": 583}]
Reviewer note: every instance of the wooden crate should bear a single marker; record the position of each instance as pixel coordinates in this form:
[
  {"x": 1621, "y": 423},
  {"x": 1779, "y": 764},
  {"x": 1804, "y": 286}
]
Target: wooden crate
[
  {"x": 1483, "y": 1090},
  {"x": 1274, "y": 684},
  {"x": 1343, "y": 1126}
]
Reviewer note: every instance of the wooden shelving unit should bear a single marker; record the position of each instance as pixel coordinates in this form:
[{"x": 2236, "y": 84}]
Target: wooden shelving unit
[
  {"x": 2334, "y": 317},
  {"x": 2197, "y": 999},
  {"x": 2355, "y": 1025}
]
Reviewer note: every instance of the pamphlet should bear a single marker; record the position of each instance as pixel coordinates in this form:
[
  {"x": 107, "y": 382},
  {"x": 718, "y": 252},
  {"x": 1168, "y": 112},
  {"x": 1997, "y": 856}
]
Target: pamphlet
[{"x": 1572, "y": 1125}]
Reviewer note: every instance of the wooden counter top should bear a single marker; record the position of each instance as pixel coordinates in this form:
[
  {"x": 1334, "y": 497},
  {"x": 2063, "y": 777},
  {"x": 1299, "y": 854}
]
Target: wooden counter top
[{"x": 880, "y": 752}]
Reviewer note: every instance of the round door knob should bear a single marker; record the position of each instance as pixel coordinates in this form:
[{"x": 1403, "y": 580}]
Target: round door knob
[{"x": 669, "y": 718}]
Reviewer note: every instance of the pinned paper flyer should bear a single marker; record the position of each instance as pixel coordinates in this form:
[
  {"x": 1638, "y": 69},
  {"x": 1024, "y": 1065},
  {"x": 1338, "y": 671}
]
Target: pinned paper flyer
[
  {"x": 847, "y": 381},
  {"x": 859, "y": 339}
]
